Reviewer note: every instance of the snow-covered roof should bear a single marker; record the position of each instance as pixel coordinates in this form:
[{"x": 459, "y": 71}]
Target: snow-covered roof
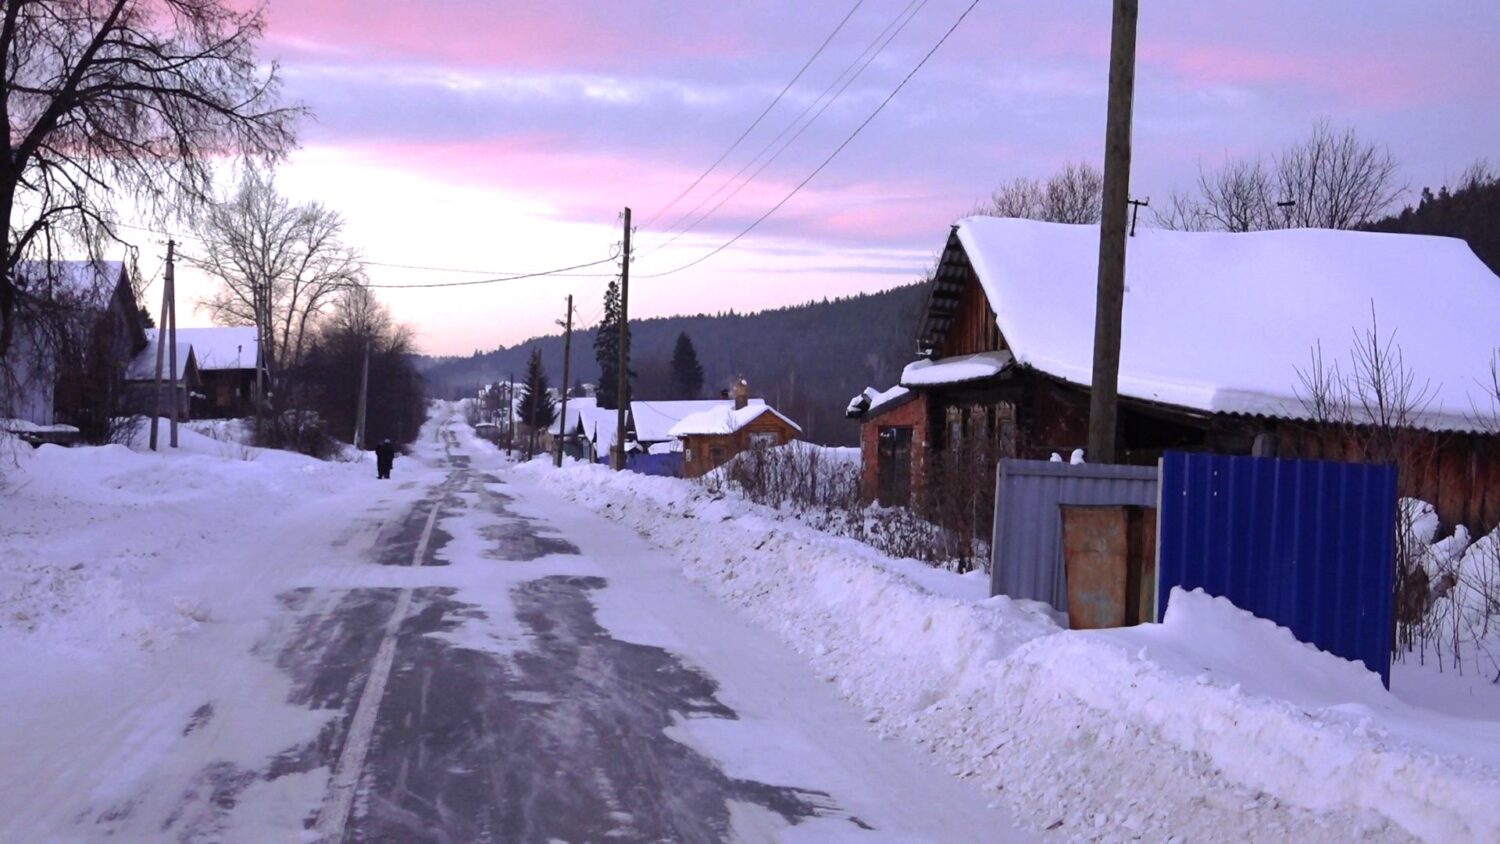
[
  {"x": 90, "y": 283},
  {"x": 955, "y": 370},
  {"x": 599, "y": 425},
  {"x": 725, "y": 419},
  {"x": 872, "y": 400},
  {"x": 654, "y": 420},
  {"x": 219, "y": 347},
  {"x": 1223, "y": 322},
  {"x": 577, "y": 406},
  {"x": 142, "y": 367}
]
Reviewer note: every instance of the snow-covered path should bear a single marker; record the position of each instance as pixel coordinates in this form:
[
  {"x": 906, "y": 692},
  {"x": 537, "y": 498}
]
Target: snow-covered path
[{"x": 546, "y": 675}]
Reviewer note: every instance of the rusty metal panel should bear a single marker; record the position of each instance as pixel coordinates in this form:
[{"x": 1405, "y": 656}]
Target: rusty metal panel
[
  {"x": 1095, "y": 551},
  {"x": 1026, "y": 555},
  {"x": 1140, "y": 590},
  {"x": 1308, "y": 544}
]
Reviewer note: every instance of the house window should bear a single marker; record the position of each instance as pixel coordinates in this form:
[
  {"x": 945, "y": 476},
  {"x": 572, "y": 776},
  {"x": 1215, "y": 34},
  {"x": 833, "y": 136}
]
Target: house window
[{"x": 762, "y": 439}]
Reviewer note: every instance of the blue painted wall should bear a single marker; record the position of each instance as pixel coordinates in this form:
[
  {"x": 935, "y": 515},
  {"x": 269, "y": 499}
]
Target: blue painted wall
[{"x": 1307, "y": 544}]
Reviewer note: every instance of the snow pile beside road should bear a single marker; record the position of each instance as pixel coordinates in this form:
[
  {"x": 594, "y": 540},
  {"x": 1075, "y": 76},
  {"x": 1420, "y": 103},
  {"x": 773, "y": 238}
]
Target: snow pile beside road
[
  {"x": 88, "y": 536},
  {"x": 1213, "y": 726}
]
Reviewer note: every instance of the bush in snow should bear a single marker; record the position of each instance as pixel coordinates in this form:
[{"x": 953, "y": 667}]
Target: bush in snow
[
  {"x": 1459, "y": 622},
  {"x": 819, "y": 486}
]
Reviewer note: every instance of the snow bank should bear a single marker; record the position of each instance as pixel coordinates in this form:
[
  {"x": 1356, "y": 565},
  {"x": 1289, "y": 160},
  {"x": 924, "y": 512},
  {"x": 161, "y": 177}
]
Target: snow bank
[
  {"x": 86, "y": 533},
  {"x": 1214, "y": 725}
]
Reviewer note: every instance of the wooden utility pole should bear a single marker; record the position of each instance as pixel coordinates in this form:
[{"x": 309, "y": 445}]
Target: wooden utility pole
[
  {"x": 622, "y": 335},
  {"x": 1110, "y": 305},
  {"x": 562, "y": 425},
  {"x": 171, "y": 284},
  {"x": 510, "y": 415},
  {"x": 161, "y": 354},
  {"x": 364, "y": 400}
]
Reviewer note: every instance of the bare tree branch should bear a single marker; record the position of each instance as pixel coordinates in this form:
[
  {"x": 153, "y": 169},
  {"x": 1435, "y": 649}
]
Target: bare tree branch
[{"x": 134, "y": 100}]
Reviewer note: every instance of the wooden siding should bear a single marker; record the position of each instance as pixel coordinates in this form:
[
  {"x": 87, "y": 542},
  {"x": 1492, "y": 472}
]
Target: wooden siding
[
  {"x": 973, "y": 328},
  {"x": 699, "y": 456}
]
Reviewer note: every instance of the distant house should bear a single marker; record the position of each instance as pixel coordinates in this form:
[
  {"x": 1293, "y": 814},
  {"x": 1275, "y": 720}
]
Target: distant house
[
  {"x": 712, "y": 436},
  {"x": 1218, "y": 330},
  {"x": 227, "y": 358},
  {"x": 651, "y": 427},
  {"x": 78, "y": 326}
]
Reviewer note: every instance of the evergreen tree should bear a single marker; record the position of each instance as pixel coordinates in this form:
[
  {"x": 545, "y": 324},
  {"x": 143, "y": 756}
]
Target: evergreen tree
[
  {"x": 538, "y": 409},
  {"x": 687, "y": 372},
  {"x": 607, "y": 349}
]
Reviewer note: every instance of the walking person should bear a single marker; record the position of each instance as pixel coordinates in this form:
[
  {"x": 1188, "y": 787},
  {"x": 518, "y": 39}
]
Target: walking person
[{"x": 385, "y": 455}]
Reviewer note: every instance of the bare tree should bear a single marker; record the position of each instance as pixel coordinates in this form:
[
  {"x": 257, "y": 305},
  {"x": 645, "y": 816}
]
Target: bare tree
[
  {"x": 1331, "y": 180},
  {"x": 280, "y": 266},
  {"x": 1074, "y": 194},
  {"x": 122, "y": 99},
  {"x": 1372, "y": 413},
  {"x": 1336, "y": 180},
  {"x": 1239, "y": 197}
]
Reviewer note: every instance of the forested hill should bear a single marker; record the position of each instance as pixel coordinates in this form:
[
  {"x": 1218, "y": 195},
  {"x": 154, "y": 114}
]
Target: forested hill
[{"x": 807, "y": 360}]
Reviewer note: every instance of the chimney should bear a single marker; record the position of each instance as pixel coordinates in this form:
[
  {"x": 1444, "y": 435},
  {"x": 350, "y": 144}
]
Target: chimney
[{"x": 741, "y": 394}]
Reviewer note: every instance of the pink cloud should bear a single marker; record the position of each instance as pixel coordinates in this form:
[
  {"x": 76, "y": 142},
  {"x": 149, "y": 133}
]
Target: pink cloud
[
  {"x": 593, "y": 186},
  {"x": 522, "y": 36},
  {"x": 1353, "y": 78}
]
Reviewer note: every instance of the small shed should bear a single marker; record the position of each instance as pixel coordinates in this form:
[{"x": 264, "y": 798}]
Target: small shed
[{"x": 179, "y": 387}]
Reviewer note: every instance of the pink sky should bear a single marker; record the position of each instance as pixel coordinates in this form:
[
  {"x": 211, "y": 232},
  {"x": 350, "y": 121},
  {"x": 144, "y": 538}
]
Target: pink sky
[{"x": 476, "y": 134}]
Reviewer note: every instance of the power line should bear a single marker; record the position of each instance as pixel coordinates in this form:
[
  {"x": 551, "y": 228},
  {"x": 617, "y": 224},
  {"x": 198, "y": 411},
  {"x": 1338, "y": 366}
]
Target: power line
[
  {"x": 840, "y": 148},
  {"x": 908, "y": 18},
  {"x": 518, "y": 277},
  {"x": 208, "y": 242},
  {"x": 759, "y": 118},
  {"x": 902, "y": 18}
]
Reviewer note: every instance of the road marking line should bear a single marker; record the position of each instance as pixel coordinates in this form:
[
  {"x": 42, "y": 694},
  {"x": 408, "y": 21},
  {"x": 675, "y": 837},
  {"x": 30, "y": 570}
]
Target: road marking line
[{"x": 337, "y": 803}]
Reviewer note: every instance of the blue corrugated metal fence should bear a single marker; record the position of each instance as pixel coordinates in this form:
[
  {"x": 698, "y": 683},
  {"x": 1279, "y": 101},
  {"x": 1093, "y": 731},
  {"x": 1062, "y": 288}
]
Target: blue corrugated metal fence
[{"x": 1307, "y": 544}]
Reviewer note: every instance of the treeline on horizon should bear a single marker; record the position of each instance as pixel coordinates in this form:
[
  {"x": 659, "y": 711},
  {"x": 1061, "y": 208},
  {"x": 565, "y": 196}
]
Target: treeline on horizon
[{"x": 807, "y": 360}]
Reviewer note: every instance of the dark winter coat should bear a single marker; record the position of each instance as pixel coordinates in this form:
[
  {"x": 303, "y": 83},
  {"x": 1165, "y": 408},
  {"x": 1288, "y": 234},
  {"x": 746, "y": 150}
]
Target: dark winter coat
[{"x": 385, "y": 455}]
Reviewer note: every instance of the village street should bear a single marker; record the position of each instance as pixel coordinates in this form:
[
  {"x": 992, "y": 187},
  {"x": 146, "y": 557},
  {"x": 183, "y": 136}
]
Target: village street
[{"x": 497, "y": 666}]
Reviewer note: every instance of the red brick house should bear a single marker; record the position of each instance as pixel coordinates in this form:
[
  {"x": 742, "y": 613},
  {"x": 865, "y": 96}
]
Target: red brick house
[{"x": 1219, "y": 331}]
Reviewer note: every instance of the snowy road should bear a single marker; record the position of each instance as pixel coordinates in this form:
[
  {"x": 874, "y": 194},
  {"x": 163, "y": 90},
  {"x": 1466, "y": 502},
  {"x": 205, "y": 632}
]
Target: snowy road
[{"x": 494, "y": 664}]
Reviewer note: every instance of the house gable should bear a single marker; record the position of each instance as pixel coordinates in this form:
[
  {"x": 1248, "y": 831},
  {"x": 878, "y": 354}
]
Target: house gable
[{"x": 959, "y": 319}]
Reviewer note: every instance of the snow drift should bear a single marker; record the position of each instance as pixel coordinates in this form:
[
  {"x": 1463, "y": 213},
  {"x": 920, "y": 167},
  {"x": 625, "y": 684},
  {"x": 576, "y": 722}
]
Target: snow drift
[{"x": 1213, "y": 725}]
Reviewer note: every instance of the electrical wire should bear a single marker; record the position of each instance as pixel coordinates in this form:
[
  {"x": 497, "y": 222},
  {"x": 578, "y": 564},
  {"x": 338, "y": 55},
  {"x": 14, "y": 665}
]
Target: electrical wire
[
  {"x": 508, "y": 273},
  {"x": 840, "y": 148},
  {"x": 517, "y": 277},
  {"x": 877, "y": 45},
  {"x": 918, "y": 4},
  {"x": 762, "y": 116}
]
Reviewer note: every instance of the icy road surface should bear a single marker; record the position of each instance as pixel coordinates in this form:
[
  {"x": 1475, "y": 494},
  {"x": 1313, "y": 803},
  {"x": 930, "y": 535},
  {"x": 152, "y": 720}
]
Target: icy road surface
[{"x": 467, "y": 659}]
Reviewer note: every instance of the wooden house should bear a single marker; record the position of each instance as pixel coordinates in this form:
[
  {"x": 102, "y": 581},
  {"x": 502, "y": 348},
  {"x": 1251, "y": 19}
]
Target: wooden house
[
  {"x": 227, "y": 358},
  {"x": 78, "y": 326},
  {"x": 712, "y": 436},
  {"x": 1221, "y": 340}
]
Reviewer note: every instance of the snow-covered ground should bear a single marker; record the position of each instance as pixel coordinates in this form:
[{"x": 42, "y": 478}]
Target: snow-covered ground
[
  {"x": 133, "y": 588},
  {"x": 149, "y": 613},
  {"x": 136, "y": 586},
  {"x": 1214, "y": 725}
]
